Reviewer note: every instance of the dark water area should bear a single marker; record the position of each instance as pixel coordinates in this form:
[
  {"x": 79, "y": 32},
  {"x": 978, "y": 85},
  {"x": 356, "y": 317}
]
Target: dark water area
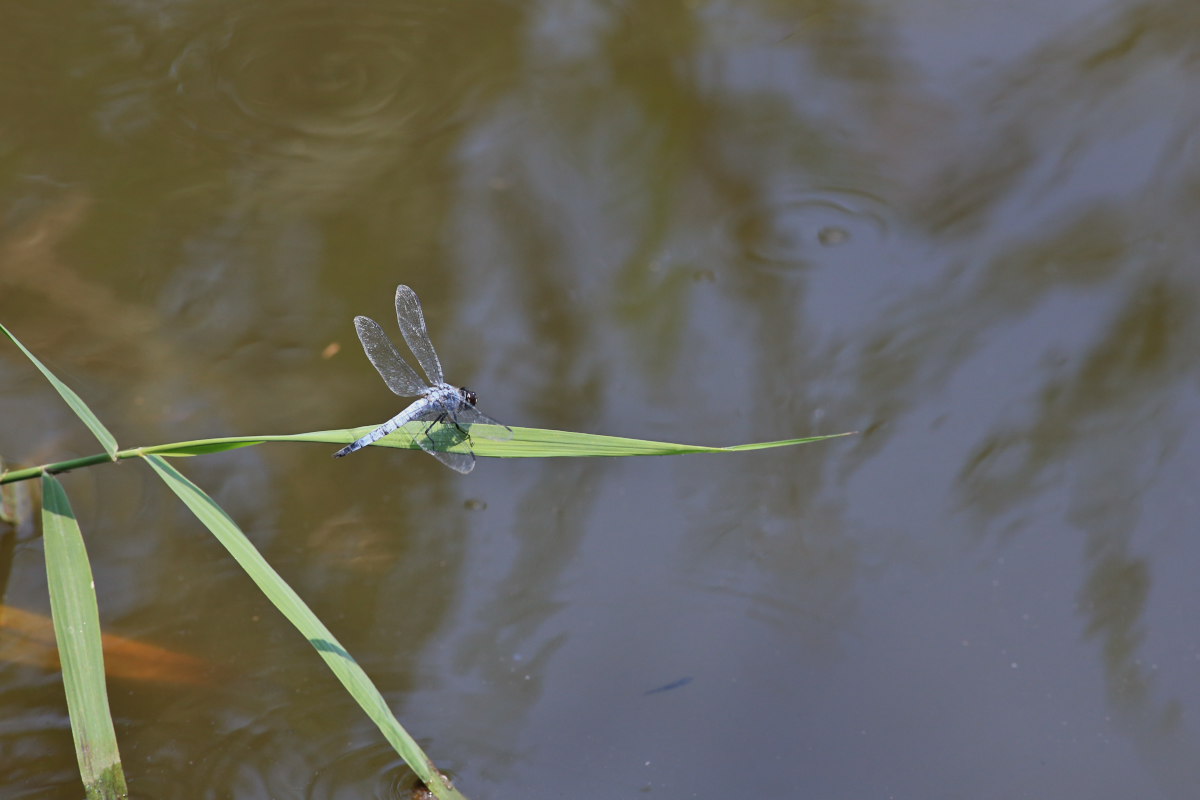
[{"x": 965, "y": 230}]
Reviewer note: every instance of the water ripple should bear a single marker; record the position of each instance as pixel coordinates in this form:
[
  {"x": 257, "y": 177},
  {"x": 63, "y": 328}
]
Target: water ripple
[
  {"x": 294, "y": 745},
  {"x": 800, "y": 228},
  {"x": 301, "y": 69},
  {"x": 366, "y": 771}
]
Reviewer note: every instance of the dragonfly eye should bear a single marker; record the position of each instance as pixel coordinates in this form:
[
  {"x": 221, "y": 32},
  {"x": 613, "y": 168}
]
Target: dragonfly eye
[{"x": 468, "y": 395}]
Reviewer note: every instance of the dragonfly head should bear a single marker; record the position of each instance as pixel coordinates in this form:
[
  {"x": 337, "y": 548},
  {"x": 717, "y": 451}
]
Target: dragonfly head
[{"x": 467, "y": 395}]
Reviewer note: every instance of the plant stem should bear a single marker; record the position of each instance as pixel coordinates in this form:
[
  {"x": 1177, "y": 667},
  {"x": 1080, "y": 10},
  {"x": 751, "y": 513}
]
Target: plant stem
[
  {"x": 211, "y": 445},
  {"x": 12, "y": 476},
  {"x": 195, "y": 447}
]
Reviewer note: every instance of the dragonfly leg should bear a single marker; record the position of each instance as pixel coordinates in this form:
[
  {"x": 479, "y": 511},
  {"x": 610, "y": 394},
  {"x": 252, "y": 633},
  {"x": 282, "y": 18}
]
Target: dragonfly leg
[
  {"x": 441, "y": 419},
  {"x": 459, "y": 428},
  {"x": 436, "y": 421}
]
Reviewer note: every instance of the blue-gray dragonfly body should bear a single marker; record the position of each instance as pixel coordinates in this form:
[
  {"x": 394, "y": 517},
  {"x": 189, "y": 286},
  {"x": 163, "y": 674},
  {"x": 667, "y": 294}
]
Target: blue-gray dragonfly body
[{"x": 445, "y": 408}]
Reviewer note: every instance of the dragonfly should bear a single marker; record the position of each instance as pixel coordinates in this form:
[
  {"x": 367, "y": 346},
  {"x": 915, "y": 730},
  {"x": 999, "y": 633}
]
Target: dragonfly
[{"x": 445, "y": 408}]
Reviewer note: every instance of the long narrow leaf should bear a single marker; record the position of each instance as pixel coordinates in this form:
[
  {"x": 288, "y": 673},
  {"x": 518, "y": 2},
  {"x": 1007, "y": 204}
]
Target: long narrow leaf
[
  {"x": 289, "y": 603},
  {"x": 524, "y": 443},
  {"x": 77, "y": 629},
  {"x": 107, "y": 440}
]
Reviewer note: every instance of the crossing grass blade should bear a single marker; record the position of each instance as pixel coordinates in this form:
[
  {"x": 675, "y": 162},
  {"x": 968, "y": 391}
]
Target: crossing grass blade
[
  {"x": 107, "y": 440},
  {"x": 291, "y": 606},
  {"x": 77, "y": 630}
]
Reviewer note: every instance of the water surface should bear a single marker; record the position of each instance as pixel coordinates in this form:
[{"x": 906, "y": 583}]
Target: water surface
[{"x": 963, "y": 229}]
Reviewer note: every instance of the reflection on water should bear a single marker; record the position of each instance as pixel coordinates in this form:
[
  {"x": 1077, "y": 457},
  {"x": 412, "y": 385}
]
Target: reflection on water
[{"x": 28, "y": 638}]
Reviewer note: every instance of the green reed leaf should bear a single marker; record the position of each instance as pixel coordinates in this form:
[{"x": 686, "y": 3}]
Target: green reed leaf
[
  {"x": 107, "y": 440},
  {"x": 77, "y": 629},
  {"x": 524, "y": 443},
  {"x": 291, "y": 606}
]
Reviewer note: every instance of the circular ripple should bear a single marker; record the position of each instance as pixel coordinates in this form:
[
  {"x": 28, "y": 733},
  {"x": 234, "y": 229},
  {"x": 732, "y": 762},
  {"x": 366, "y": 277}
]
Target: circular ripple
[
  {"x": 390, "y": 778},
  {"x": 802, "y": 227},
  {"x": 288, "y": 744},
  {"x": 301, "y": 68}
]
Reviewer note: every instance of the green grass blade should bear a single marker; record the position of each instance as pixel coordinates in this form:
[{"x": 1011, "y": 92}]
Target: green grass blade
[
  {"x": 289, "y": 603},
  {"x": 546, "y": 443},
  {"x": 204, "y": 446},
  {"x": 525, "y": 443},
  {"x": 107, "y": 441},
  {"x": 77, "y": 629}
]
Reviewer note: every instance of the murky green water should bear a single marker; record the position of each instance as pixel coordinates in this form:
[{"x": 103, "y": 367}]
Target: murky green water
[{"x": 964, "y": 229}]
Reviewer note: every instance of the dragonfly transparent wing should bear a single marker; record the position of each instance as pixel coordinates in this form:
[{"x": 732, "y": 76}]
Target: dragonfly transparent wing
[
  {"x": 395, "y": 371},
  {"x": 439, "y": 432},
  {"x": 469, "y": 415},
  {"x": 412, "y": 325}
]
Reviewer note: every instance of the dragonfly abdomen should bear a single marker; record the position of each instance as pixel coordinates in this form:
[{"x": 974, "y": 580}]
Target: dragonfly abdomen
[{"x": 383, "y": 430}]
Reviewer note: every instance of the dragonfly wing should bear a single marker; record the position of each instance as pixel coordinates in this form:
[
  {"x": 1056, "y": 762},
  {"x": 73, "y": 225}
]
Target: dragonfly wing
[
  {"x": 395, "y": 371},
  {"x": 470, "y": 415},
  {"x": 439, "y": 433},
  {"x": 459, "y": 462},
  {"x": 412, "y": 325}
]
